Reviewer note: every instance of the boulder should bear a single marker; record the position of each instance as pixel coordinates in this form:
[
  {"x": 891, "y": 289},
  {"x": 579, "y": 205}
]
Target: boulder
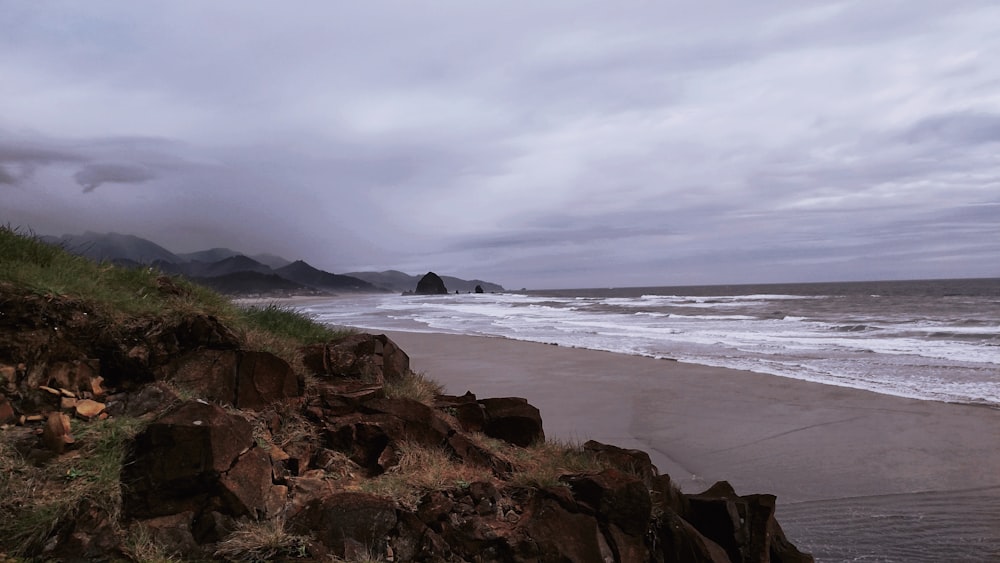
[
  {"x": 177, "y": 459},
  {"x": 743, "y": 526},
  {"x": 342, "y": 520},
  {"x": 560, "y": 532},
  {"x": 618, "y": 498},
  {"x": 244, "y": 379},
  {"x": 247, "y": 489},
  {"x": 372, "y": 357},
  {"x": 470, "y": 415},
  {"x": 680, "y": 542},
  {"x": 431, "y": 284},
  {"x": 635, "y": 462},
  {"x": 479, "y": 289},
  {"x": 512, "y": 420}
]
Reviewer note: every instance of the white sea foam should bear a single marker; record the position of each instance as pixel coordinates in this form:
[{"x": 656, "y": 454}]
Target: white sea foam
[{"x": 889, "y": 351}]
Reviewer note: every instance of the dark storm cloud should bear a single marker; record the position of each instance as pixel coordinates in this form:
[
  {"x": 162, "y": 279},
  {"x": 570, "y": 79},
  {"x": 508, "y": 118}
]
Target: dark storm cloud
[
  {"x": 91, "y": 176},
  {"x": 19, "y": 159}
]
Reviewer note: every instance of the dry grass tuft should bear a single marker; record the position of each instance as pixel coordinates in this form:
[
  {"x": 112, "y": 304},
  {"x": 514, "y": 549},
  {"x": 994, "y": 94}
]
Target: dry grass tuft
[
  {"x": 543, "y": 463},
  {"x": 422, "y": 469},
  {"x": 416, "y": 386},
  {"x": 367, "y": 556},
  {"x": 139, "y": 545},
  {"x": 262, "y": 541}
]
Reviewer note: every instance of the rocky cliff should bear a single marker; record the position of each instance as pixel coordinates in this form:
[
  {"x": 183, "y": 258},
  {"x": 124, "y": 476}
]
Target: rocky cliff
[{"x": 147, "y": 436}]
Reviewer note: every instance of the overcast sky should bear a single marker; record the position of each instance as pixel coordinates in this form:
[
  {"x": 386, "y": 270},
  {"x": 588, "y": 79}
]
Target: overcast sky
[{"x": 541, "y": 144}]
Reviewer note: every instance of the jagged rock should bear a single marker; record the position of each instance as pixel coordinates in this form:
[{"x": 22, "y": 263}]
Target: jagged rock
[
  {"x": 617, "y": 497},
  {"x": 151, "y": 346},
  {"x": 560, "y": 532},
  {"x": 635, "y": 462},
  {"x": 341, "y": 519},
  {"x": 743, "y": 526},
  {"x": 247, "y": 488},
  {"x": 369, "y": 437},
  {"x": 431, "y": 284},
  {"x": 178, "y": 458},
  {"x": 471, "y": 415},
  {"x": 680, "y": 542},
  {"x": 332, "y": 400},
  {"x": 372, "y": 357},
  {"x": 244, "y": 379},
  {"x": 479, "y": 289},
  {"x": 513, "y": 420},
  {"x": 668, "y": 496}
]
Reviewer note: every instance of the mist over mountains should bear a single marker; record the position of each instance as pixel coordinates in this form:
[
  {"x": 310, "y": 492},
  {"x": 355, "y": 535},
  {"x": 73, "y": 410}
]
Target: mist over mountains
[{"x": 235, "y": 273}]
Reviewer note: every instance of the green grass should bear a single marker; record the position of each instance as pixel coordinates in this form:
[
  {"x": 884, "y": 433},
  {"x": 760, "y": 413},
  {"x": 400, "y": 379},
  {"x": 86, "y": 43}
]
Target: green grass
[
  {"x": 48, "y": 270},
  {"x": 122, "y": 293},
  {"x": 288, "y": 323}
]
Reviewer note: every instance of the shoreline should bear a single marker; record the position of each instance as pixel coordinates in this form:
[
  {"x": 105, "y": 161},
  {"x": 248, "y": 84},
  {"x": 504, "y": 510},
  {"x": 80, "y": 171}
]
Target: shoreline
[{"x": 800, "y": 440}]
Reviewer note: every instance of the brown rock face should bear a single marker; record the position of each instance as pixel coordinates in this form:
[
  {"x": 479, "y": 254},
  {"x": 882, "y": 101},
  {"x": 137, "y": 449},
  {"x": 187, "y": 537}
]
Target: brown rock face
[
  {"x": 246, "y": 380},
  {"x": 466, "y": 409},
  {"x": 635, "y": 462},
  {"x": 247, "y": 488},
  {"x": 620, "y": 499},
  {"x": 562, "y": 532},
  {"x": 178, "y": 459},
  {"x": 513, "y": 420},
  {"x": 344, "y": 521},
  {"x": 743, "y": 526},
  {"x": 372, "y": 357}
]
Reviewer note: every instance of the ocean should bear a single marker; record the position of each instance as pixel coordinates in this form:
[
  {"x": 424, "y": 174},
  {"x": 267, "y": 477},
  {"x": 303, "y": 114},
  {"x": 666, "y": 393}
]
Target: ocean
[{"x": 934, "y": 340}]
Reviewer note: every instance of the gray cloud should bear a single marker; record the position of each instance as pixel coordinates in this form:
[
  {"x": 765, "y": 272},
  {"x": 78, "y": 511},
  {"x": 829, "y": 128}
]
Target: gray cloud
[
  {"x": 93, "y": 175},
  {"x": 565, "y": 143},
  {"x": 959, "y": 128}
]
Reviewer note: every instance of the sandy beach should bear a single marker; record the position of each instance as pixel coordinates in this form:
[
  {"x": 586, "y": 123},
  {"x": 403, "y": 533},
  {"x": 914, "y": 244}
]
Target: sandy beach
[{"x": 828, "y": 453}]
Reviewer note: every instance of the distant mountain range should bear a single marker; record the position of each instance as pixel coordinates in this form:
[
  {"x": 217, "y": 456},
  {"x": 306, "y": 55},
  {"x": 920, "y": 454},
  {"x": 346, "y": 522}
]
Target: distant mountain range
[{"x": 234, "y": 273}]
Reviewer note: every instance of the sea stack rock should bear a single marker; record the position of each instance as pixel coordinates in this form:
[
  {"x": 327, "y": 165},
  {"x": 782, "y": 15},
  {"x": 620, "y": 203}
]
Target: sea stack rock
[
  {"x": 431, "y": 284},
  {"x": 479, "y": 289}
]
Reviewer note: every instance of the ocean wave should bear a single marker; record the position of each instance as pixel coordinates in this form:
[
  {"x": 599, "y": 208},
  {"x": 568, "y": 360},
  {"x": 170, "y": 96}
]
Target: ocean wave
[{"x": 929, "y": 352}]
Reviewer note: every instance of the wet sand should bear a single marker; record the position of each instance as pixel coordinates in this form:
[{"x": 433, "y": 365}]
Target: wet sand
[{"x": 838, "y": 459}]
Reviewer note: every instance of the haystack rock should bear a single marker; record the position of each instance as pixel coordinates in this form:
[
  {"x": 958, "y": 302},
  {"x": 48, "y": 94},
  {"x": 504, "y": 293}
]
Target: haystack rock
[{"x": 431, "y": 284}]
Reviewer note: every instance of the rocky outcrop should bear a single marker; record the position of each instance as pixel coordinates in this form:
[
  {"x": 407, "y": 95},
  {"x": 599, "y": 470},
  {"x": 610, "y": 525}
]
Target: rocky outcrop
[
  {"x": 358, "y": 356},
  {"x": 251, "y": 445},
  {"x": 431, "y": 284}
]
